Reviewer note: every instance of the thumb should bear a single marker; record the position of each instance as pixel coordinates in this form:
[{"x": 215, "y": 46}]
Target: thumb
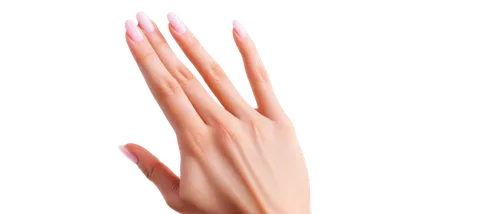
[{"x": 164, "y": 179}]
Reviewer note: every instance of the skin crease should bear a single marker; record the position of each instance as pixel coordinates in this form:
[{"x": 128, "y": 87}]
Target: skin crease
[{"x": 234, "y": 159}]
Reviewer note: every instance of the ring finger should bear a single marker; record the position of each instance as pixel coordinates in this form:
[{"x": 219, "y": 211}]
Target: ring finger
[{"x": 211, "y": 72}]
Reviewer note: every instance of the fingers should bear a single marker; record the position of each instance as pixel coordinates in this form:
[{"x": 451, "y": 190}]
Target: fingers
[
  {"x": 164, "y": 179},
  {"x": 211, "y": 72},
  {"x": 267, "y": 102},
  {"x": 166, "y": 90},
  {"x": 204, "y": 104}
]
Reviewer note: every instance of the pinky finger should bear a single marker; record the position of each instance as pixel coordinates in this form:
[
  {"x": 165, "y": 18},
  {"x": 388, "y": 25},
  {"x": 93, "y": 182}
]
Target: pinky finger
[{"x": 257, "y": 74}]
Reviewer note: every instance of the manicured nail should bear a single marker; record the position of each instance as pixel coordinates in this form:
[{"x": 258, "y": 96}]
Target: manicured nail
[
  {"x": 239, "y": 29},
  {"x": 133, "y": 31},
  {"x": 145, "y": 22},
  {"x": 128, "y": 154},
  {"x": 176, "y": 23}
]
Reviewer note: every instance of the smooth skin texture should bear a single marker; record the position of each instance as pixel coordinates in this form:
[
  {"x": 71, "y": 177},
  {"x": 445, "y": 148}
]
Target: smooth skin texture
[{"x": 234, "y": 158}]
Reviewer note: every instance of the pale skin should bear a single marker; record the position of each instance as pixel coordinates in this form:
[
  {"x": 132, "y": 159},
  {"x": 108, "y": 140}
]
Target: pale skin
[{"x": 234, "y": 158}]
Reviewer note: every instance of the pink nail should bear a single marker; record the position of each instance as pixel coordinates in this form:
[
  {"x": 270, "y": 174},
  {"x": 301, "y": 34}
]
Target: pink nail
[
  {"x": 145, "y": 22},
  {"x": 239, "y": 29},
  {"x": 176, "y": 23},
  {"x": 133, "y": 31},
  {"x": 128, "y": 154}
]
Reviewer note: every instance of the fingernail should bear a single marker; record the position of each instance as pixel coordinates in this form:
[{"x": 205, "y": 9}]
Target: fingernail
[
  {"x": 128, "y": 154},
  {"x": 176, "y": 23},
  {"x": 239, "y": 29},
  {"x": 145, "y": 22},
  {"x": 133, "y": 31}
]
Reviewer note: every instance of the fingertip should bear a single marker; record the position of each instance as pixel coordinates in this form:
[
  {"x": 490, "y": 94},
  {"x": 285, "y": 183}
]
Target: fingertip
[
  {"x": 176, "y": 23},
  {"x": 239, "y": 29},
  {"x": 144, "y": 22},
  {"x": 133, "y": 31},
  {"x": 127, "y": 153}
]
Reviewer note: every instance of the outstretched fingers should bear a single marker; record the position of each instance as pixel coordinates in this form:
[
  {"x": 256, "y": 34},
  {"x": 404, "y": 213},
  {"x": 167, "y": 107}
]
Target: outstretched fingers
[
  {"x": 211, "y": 72},
  {"x": 265, "y": 97},
  {"x": 204, "y": 104},
  {"x": 165, "y": 89}
]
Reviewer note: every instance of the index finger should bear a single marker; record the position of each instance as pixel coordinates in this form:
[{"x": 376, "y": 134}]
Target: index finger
[{"x": 165, "y": 89}]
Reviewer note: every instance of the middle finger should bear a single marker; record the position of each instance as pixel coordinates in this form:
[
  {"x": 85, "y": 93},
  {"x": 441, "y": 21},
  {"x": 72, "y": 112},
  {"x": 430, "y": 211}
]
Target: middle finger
[
  {"x": 206, "y": 106},
  {"x": 211, "y": 72}
]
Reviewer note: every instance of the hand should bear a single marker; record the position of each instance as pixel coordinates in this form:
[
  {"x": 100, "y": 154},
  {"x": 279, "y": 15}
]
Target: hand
[{"x": 234, "y": 159}]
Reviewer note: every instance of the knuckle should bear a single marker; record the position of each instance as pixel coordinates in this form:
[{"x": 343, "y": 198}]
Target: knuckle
[
  {"x": 215, "y": 71},
  {"x": 226, "y": 134},
  {"x": 259, "y": 76},
  {"x": 182, "y": 75},
  {"x": 198, "y": 138},
  {"x": 197, "y": 141},
  {"x": 150, "y": 172},
  {"x": 199, "y": 144},
  {"x": 188, "y": 87},
  {"x": 167, "y": 86},
  {"x": 145, "y": 55},
  {"x": 254, "y": 127},
  {"x": 253, "y": 122}
]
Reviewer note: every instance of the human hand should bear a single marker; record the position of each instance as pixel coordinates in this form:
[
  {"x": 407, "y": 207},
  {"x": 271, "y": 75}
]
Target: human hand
[{"x": 234, "y": 159}]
